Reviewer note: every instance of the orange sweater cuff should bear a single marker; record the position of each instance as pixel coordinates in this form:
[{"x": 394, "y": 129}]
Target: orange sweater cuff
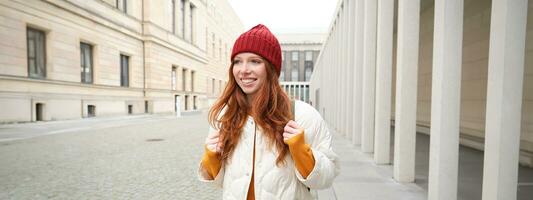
[
  {"x": 211, "y": 162},
  {"x": 301, "y": 154}
]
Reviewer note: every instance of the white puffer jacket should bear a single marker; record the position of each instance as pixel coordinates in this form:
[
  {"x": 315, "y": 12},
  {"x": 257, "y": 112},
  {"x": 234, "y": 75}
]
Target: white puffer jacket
[{"x": 271, "y": 181}]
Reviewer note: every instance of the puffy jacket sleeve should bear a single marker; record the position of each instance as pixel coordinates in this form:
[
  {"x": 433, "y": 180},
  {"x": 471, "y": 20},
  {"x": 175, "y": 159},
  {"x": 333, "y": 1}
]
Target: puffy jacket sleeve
[
  {"x": 318, "y": 136},
  {"x": 203, "y": 173}
]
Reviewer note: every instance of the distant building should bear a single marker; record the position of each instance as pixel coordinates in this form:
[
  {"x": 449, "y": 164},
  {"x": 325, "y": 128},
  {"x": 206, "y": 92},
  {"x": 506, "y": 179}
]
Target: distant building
[
  {"x": 75, "y": 59},
  {"x": 299, "y": 53}
]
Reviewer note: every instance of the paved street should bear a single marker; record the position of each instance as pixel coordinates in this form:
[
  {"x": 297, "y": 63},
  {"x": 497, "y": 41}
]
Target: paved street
[
  {"x": 156, "y": 157},
  {"x": 139, "y": 157}
]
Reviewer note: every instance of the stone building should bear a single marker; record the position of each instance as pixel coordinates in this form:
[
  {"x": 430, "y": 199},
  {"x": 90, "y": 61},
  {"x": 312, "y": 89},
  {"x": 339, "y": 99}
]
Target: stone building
[
  {"x": 299, "y": 54},
  {"x": 458, "y": 70},
  {"x": 71, "y": 59}
]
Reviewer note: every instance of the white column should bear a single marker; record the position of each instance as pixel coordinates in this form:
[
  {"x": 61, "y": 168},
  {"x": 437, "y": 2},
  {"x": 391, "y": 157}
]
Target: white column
[
  {"x": 350, "y": 72},
  {"x": 325, "y": 92},
  {"x": 358, "y": 72},
  {"x": 369, "y": 76},
  {"x": 504, "y": 99},
  {"x": 445, "y": 100},
  {"x": 335, "y": 82},
  {"x": 346, "y": 58},
  {"x": 338, "y": 87},
  {"x": 347, "y": 66},
  {"x": 384, "y": 81},
  {"x": 342, "y": 76},
  {"x": 406, "y": 90}
]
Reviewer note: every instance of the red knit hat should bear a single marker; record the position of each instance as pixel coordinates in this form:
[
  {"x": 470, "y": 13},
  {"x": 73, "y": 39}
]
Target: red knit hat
[{"x": 261, "y": 41}]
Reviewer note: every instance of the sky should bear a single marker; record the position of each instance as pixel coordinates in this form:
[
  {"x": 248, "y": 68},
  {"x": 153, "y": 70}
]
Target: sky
[{"x": 286, "y": 16}]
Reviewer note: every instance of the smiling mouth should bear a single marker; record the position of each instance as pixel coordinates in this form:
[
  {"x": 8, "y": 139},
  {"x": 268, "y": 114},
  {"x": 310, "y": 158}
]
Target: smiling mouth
[{"x": 248, "y": 81}]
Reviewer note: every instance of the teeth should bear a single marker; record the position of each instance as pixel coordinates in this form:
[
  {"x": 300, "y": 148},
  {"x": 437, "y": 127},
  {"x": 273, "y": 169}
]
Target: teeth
[{"x": 246, "y": 81}]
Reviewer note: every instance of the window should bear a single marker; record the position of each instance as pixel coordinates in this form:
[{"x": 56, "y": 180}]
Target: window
[
  {"x": 308, "y": 56},
  {"x": 191, "y": 15},
  {"x": 207, "y": 41},
  {"x": 226, "y": 53},
  {"x": 282, "y": 56},
  {"x": 308, "y": 70},
  {"x": 145, "y": 106},
  {"x": 282, "y": 75},
  {"x": 182, "y": 9},
  {"x": 122, "y": 5},
  {"x": 173, "y": 8},
  {"x": 192, "y": 81},
  {"x": 306, "y": 93},
  {"x": 220, "y": 86},
  {"x": 294, "y": 73},
  {"x": 36, "y": 53},
  {"x": 186, "y": 102},
  {"x": 173, "y": 79},
  {"x": 183, "y": 76},
  {"x": 124, "y": 70},
  {"x": 219, "y": 49},
  {"x": 213, "y": 44},
  {"x": 91, "y": 111},
  {"x": 213, "y": 86},
  {"x": 130, "y": 109},
  {"x": 86, "y": 54},
  {"x": 294, "y": 56},
  {"x": 194, "y": 107}
]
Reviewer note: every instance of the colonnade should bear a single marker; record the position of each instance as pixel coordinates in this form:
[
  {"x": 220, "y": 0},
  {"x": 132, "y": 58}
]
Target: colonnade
[{"x": 352, "y": 88}]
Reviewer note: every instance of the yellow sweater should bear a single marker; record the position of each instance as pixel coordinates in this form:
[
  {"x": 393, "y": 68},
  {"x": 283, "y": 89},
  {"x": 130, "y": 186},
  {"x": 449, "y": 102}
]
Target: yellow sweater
[{"x": 300, "y": 152}]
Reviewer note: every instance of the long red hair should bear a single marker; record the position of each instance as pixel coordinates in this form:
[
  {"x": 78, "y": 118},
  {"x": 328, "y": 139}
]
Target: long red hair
[{"x": 270, "y": 109}]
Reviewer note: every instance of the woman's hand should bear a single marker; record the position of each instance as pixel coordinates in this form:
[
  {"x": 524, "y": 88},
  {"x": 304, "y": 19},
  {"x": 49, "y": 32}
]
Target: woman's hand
[
  {"x": 291, "y": 129},
  {"x": 213, "y": 142}
]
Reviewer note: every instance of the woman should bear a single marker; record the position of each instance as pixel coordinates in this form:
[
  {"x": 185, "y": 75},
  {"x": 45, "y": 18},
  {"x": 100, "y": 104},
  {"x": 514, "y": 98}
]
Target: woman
[{"x": 254, "y": 150}]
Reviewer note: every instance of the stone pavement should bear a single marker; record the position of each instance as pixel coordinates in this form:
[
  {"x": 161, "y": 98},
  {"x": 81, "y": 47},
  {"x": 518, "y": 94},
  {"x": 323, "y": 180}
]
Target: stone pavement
[
  {"x": 145, "y": 157},
  {"x": 117, "y": 158}
]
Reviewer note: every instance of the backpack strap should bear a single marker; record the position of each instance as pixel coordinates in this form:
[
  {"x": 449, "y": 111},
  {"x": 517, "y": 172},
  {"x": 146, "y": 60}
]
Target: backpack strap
[{"x": 292, "y": 109}]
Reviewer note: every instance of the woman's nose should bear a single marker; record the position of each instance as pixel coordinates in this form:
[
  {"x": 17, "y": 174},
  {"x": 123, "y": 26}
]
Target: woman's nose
[{"x": 246, "y": 67}]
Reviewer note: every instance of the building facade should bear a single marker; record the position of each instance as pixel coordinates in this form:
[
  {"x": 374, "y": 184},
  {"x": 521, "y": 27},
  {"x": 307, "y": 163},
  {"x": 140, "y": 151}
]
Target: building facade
[
  {"x": 458, "y": 70},
  {"x": 72, "y": 59},
  {"x": 299, "y": 54}
]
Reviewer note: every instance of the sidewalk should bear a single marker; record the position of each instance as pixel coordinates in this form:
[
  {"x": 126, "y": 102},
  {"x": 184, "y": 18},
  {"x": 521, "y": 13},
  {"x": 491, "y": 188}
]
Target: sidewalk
[{"x": 360, "y": 178}]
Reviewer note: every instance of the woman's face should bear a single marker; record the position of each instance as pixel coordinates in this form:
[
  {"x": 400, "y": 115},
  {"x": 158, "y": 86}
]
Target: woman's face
[{"x": 249, "y": 70}]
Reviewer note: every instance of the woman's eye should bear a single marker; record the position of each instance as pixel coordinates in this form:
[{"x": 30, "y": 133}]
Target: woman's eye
[
  {"x": 236, "y": 61},
  {"x": 256, "y": 61}
]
